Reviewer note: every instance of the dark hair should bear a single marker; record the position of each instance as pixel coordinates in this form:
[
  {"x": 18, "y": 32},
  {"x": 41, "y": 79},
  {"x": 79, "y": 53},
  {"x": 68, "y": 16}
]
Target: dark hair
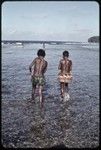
[
  {"x": 66, "y": 53},
  {"x": 41, "y": 52}
]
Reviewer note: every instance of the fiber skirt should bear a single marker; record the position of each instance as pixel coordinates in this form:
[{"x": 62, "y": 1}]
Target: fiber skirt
[{"x": 65, "y": 78}]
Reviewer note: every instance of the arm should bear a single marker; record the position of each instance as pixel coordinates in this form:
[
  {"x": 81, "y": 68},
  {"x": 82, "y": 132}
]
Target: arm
[
  {"x": 45, "y": 68},
  {"x": 59, "y": 67},
  {"x": 70, "y": 66},
  {"x": 30, "y": 66}
]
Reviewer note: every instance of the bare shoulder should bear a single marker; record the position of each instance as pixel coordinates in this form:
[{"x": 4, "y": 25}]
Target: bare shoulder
[
  {"x": 36, "y": 59},
  {"x": 46, "y": 63},
  {"x": 61, "y": 60},
  {"x": 70, "y": 61}
]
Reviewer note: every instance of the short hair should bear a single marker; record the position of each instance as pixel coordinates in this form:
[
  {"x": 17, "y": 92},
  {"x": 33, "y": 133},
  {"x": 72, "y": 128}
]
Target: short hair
[
  {"x": 41, "y": 52},
  {"x": 66, "y": 53}
]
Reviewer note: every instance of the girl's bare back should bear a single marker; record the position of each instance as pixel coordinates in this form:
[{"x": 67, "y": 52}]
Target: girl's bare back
[{"x": 65, "y": 66}]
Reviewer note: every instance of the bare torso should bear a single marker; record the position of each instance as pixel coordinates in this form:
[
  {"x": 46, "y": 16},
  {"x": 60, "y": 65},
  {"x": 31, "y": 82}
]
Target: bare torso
[
  {"x": 39, "y": 67},
  {"x": 65, "y": 66}
]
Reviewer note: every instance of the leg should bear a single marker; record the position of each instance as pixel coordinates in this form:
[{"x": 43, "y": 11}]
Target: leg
[
  {"x": 40, "y": 93},
  {"x": 66, "y": 87},
  {"x": 33, "y": 91},
  {"x": 62, "y": 86},
  {"x": 33, "y": 87}
]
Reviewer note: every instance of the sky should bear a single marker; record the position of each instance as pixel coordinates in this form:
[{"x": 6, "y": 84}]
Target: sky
[{"x": 50, "y": 20}]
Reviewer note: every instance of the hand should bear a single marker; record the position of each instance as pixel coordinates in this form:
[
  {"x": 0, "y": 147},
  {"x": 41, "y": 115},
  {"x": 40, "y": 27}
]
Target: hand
[{"x": 70, "y": 73}]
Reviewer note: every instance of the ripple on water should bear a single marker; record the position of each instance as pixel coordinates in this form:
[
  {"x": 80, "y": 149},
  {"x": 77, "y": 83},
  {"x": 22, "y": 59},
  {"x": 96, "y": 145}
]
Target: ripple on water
[{"x": 73, "y": 123}]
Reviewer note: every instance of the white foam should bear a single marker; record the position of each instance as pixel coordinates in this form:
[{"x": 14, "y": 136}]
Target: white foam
[{"x": 66, "y": 97}]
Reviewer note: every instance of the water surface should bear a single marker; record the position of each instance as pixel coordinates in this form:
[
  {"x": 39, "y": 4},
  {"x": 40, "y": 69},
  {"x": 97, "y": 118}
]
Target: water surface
[{"x": 74, "y": 123}]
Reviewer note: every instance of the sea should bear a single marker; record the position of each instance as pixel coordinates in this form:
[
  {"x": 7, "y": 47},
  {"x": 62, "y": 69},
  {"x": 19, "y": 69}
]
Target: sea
[
  {"x": 81, "y": 129},
  {"x": 16, "y": 79}
]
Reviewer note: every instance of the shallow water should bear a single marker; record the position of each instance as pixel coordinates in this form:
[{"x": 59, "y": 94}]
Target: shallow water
[
  {"x": 16, "y": 82},
  {"x": 74, "y": 123}
]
